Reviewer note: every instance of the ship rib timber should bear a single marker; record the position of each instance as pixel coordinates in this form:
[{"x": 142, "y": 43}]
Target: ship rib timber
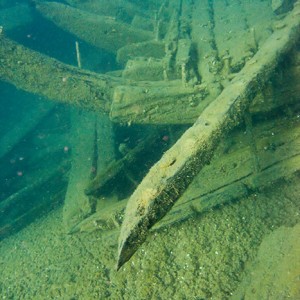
[{"x": 169, "y": 178}]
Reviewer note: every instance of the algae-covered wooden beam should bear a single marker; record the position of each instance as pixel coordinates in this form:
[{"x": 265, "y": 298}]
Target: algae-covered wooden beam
[
  {"x": 169, "y": 178},
  {"x": 100, "y": 31},
  {"x": 133, "y": 102},
  {"x": 163, "y": 102},
  {"x": 160, "y": 102},
  {"x": 230, "y": 176},
  {"x": 123, "y": 10},
  {"x": 40, "y": 74}
]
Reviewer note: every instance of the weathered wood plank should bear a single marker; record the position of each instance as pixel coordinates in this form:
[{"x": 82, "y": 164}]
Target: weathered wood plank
[
  {"x": 149, "y": 49},
  {"x": 100, "y": 31},
  {"x": 119, "y": 9},
  {"x": 155, "y": 102},
  {"x": 203, "y": 37},
  {"x": 132, "y": 166},
  {"x": 169, "y": 178},
  {"x": 30, "y": 71}
]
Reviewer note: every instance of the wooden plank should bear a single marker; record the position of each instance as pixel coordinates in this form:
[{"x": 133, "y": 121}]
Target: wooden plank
[
  {"x": 203, "y": 36},
  {"x": 92, "y": 149},
  {"x": 125, "y": 168},
  {"x": 232, "y": 175},
  {"x": 149, "y": 49},
  {"x": 118, "y": 9},
  {"x": 29, "y": 70},
  {"x": 105, "y": 142},
  {"x": 169, "y": 178},
  {"x": 100, "y": 31},
  {"x": 155, "y": 102}
]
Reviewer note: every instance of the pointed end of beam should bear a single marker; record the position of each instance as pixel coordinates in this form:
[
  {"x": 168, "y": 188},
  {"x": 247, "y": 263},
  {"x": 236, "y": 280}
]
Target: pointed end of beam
[
  {"x": 129, "y": 243},
  {"x": 123, "y": 256}
]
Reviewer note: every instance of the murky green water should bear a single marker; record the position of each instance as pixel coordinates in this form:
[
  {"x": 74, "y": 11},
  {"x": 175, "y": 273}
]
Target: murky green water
[{"x": 93, "y": 93}]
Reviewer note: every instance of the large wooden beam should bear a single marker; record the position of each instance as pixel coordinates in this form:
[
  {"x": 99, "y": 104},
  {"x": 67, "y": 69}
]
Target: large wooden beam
[
  {"x": 100, "y": 31},
  {"x": 42, "y": 75},
  {"x": 169, "y": 178},
  {"x": 230, "y": 176},
  {"x": 123, "y": 10},
  {"x": 159, "y": 102}
]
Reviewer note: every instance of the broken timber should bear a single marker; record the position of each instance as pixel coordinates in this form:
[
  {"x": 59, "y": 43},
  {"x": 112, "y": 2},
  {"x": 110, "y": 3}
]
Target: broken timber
[{"x": 169, "y": 178}]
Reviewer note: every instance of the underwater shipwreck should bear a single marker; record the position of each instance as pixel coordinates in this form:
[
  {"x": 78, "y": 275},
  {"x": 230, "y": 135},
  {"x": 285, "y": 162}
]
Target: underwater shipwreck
[{"x": 198, "y": 109}]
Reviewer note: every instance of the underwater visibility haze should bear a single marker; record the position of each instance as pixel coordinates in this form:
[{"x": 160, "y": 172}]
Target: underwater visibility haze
[{"x": 150, "y": 149}]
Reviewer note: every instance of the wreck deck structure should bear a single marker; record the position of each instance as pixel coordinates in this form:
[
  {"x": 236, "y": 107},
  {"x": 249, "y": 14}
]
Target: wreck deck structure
[{"x": 216, "y": 65}]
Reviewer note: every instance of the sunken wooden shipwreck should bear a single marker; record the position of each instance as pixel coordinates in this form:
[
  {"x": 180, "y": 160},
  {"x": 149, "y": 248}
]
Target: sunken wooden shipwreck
[{"x": 213, "y": 95}]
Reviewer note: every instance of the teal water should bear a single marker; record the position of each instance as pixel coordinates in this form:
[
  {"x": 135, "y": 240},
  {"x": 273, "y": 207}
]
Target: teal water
[{"x": 93, "y": 93}]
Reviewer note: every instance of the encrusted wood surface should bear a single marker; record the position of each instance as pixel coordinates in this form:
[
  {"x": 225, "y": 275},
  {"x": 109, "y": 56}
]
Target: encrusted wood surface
[
  {"x": 195, "y": 48},
  {"x": 230, "y": 176},
  {"x": 120, "y": 9},
  {"x": 40, "y": 74},
  {"x": 175, "y": 77},
  {"x": 192, "y": 51},
  {"x": 169, "y": 178},
  {"x": 107, "y": 33}
]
